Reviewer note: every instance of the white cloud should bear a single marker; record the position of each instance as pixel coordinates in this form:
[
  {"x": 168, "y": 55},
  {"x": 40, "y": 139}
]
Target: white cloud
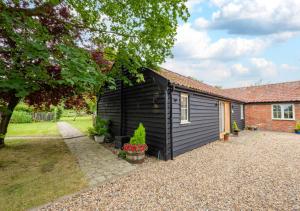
[
  {"x": 207, "y": 71},
  {"x": 192, "y": 4},
  {"x": 289, "y": 68},
  {"x": 265, "y": 67},
  {"x": 256, "y": 17},
  {"x": 201, "y": 23},
  {"x": 240, "y": 69},
  {"x": 198, "y": 45}
]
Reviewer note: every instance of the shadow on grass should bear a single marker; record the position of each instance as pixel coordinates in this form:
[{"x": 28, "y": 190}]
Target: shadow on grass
[{"x": 34, "y": 172}]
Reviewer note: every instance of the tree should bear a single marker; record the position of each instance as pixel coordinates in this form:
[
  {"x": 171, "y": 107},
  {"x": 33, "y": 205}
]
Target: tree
[{"x": 55, "y": 49}]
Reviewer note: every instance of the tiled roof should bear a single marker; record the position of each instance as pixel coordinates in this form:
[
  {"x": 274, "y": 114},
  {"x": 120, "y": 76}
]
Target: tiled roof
[
  {"x": 193, "y": 84},
  {"x": 280, "y": 92}
]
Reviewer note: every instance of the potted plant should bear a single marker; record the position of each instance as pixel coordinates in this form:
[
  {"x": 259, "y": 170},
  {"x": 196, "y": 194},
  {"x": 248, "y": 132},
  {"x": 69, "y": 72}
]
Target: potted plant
[
  {"x": 236, "y": 129},
  {"x": 226, "y": 136},
  {"x": 136, "y": 148},
  {"x": 99, "y": 131},
  {"x": 297, "y": 128}
]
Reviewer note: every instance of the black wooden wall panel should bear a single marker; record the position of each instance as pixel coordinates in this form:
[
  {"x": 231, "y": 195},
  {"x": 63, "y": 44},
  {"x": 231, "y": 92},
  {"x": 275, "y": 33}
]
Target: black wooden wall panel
[
  {"x": 143, "y": 103},
  {"x": 109, "y": 107},
  {"x": 204, "y": 123},
  {"x": 236, "y": 115}
]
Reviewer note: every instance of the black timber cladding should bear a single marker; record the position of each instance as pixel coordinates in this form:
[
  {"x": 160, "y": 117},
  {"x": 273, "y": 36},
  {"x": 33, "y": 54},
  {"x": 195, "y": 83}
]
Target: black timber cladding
[
  {"x": 236, "y": 115},
  {"x": 109, "y": 107},
  {"x": 204, "y": 122},
  {"x": 145, "y": 103},
  {"x": 156, "y": 104}
]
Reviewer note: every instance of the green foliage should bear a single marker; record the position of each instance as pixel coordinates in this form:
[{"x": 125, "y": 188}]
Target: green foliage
[
  {"x": 133, "y": 34},
  {"x": 21, "y": 117},
  {"x": 297, "y": 128},
  {"x": 91, "y": 106},
  {"x": 122, "y": 154},
  {"x": 139, "y": 136},
  {"x": 58, "y": 113},
  {"x": 235, "y": 126},
  {"x": 24, "y": 107},
  {"x": 100, "y": 128}
]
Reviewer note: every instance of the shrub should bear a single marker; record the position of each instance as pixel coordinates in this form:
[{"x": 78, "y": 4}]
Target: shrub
[
  {"x": 23, "y": 107},
  {"x": 21, "y": 117},
  {"x": 58, "y": 113},
  {"x": 122, "y": 154},
  {"x": 139, "y": 136},
  {"x": 297, "y": 128},
  {"x": 100, "y": 128},
  {"x": 235, "y": 126}
]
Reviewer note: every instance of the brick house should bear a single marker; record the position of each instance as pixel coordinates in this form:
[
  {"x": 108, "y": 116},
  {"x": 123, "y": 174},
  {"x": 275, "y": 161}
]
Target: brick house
[{"x": 274, "y": 107}]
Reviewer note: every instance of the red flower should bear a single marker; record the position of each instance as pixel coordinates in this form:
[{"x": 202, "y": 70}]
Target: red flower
[{"x": 135, "y": 147}]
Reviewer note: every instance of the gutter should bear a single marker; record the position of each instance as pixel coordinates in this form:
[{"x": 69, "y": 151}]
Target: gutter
[{"x": 172, "y": 88}]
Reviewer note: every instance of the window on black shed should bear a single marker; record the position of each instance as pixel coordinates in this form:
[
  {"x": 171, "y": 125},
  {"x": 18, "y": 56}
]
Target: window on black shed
[{"x": 184, "y": 108}]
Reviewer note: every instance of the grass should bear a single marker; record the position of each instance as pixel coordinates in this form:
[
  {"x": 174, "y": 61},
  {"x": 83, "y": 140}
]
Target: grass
[
  {"x": 33, "y": 129},
  {"x": 34, "y": 172},
  {"x": 81, "y": 123}
]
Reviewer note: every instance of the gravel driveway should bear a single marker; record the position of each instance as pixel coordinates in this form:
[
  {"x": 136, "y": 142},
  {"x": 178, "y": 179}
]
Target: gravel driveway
[{"x": 258, "y": 171}]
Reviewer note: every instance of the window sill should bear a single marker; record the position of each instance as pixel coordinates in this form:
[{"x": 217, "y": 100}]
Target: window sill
[
  {"x": 185, "y": 123},
  {"x": 283, "y": 119}
]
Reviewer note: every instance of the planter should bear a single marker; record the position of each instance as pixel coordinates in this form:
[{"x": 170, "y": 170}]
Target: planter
[
  {"x": 135, "y": 157},
  {"x": 226, "y": 137},
  {"x": 99, "y": 139},
  {"x": 297, "y": 131},
  {"x": 236, "y": 133}
]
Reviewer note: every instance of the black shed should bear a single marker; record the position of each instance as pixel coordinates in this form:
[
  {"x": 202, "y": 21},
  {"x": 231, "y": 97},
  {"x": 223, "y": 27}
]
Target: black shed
[{"x": 178, "y": 112}]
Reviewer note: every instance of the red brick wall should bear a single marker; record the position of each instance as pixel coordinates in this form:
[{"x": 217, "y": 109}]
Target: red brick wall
[{"x": 260, "y": 115}]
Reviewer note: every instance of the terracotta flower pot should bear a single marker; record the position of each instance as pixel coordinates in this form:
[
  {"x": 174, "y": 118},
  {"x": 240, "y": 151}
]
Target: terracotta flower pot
[{"x": 226, "y": 137}]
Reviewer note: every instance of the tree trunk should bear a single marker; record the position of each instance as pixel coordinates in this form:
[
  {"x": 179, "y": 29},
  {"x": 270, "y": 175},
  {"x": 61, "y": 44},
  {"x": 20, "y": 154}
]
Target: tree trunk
[{"x": 5, "y": 118}]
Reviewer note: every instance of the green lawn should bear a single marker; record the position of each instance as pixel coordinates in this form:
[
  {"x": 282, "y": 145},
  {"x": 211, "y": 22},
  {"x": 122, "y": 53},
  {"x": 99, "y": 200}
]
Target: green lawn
[
  {"x": 33, "y": 129},
  {"x": 34, "y": 172},
  {"x": 81, "y": 123}
]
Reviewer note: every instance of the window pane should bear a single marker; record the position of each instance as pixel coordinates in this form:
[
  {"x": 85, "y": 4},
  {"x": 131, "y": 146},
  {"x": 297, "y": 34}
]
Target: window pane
[
  {"x": 184, "y": 114},
  {"x": 276, "y": 112},
  {"x": 288, "y": 111},
  {"x": 183, "y": 101},
  {"x": 184, "y": 107}
]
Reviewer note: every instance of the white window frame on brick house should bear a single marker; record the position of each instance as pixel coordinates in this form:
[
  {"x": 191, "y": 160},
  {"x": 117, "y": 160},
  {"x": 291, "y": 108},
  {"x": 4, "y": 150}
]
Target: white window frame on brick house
[
  {"x": 184, "y": 96},
  {"x": 282, "y": 108},
  {"x": 242, "y": 111}
]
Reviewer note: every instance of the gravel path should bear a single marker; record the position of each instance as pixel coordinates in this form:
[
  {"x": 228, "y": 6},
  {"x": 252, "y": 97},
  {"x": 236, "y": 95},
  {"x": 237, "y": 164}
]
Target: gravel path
[
  {"x": 97, "y": 163},
  {"x": 257, "y": 171}
]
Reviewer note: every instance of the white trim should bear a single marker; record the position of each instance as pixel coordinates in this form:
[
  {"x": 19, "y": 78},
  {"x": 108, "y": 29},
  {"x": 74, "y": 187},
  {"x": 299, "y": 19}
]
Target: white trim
[
  {"x": 282, "y": 112},
  {"x": 221, "y": 116},
  {"x": 185, "y": 121},
  {"x": 242, "y": 111}
]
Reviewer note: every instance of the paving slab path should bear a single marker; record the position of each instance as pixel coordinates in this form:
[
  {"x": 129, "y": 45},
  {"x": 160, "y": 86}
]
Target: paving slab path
[{"x": 97, "y": 163}]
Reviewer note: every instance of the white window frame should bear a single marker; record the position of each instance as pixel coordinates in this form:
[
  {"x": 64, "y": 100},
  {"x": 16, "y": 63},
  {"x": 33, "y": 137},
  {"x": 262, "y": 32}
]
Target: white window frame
[
  {"x": 185, "y": 121},
  {"x": 242, "y": 111},
  {"x": 282, "y": 111}
]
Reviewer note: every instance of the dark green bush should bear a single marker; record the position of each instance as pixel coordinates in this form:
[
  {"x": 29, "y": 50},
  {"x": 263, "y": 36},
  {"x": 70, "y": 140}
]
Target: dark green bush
[
  {"x": 21, "y": 117},
  {"x": 100, "y": 128},
  {"x": 122, "y": 154}
]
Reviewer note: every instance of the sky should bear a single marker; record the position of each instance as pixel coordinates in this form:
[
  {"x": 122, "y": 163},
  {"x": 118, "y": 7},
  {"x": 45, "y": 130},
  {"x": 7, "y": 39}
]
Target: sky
[{"x": 234, "y": 43}]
